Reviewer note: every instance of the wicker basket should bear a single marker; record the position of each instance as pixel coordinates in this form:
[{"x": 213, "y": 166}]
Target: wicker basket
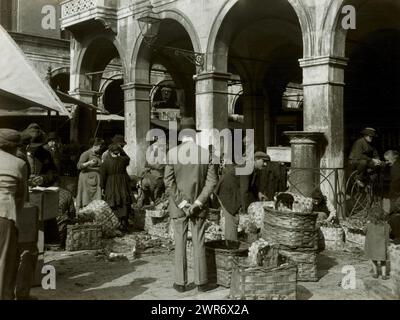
[
  {"x": 306, "y": 262},
  {"x": 259, "y": 283},
  {"x": 222, "y": 256},
  {"x": 354, "y": 237},
  {"x": 333, "y": 238},
  {"x": 83, "y": 237},
  {"x": 156, "y": 213},
  {"x": 290, "y": 229}
]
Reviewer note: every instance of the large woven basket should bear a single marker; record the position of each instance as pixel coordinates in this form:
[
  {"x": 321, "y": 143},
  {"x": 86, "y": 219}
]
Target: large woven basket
[
  {"x": 306, "y": 262},
  {"x": 258, "y": 283},
  {"x": 332, "y": 238},
  {"x": 290, "y": 229},
  {"x": 84, "y": 237},
  {"x": 222, "y": 256}
]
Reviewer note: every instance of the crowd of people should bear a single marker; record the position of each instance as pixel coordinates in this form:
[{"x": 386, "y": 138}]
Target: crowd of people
[{"x": 33, "y": 159}]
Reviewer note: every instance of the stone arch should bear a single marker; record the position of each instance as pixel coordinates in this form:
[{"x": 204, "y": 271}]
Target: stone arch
[
  {"x": 139, "y": 61},
  {"x": 337, "y": 34},
  {"x": 214, "y": 50},
  {"x": 87, "y": 45},
  {"x": 61, "y": 70}
]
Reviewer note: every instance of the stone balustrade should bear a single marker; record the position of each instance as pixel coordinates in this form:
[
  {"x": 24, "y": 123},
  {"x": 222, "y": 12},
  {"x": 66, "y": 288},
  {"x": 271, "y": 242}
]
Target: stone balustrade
[{"x": 74, "y": 12}]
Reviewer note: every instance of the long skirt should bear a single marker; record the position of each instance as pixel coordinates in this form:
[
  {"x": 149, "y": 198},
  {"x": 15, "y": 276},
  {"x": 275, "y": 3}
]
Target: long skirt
[{"x": 89, "y": 188}]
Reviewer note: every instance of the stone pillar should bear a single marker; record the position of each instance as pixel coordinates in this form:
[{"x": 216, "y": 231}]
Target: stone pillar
[
  {"x": 305, "y": 161},
  {"x": 137, "y": 124},
  {"x": 255, "y": 117},
  {"x": 84, "y": 120},
  {"x": 323, "y": 83},
  {"x": 211, "y": 101}
]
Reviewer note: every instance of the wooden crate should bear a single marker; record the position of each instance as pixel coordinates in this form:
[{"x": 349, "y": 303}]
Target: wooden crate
[
  {"x": 47, "y": 202},
  {"x": 258, "y": 283}
]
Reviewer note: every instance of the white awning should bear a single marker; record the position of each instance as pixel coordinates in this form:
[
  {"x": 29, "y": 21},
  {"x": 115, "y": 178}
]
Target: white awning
[{"x": 21, "y": 87}]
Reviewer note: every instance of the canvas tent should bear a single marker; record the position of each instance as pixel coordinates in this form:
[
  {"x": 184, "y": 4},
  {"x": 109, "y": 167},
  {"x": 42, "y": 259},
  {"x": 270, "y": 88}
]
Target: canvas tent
[{"x": 21, "y": 88}]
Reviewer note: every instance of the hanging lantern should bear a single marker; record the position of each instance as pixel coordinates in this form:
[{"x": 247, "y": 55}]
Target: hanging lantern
[{"x": 149, "y": 24}]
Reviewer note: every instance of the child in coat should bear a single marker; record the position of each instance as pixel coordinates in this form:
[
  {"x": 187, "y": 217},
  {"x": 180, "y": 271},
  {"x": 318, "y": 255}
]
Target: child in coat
[{"x": 377, "y": 242}]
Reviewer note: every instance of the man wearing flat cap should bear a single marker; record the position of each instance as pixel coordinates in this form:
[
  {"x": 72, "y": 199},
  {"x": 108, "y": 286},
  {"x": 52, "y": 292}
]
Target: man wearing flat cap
[
  {"x": 363, "y": 155},
  {"x": 13, "y": 180},
  {"x": 190, "y": 179}
]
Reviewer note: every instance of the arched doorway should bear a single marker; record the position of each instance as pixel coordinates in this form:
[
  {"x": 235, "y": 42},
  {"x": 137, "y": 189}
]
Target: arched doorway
[
  {"x": 371, "y": 96},
  {"x": 175, "y": 32},
  {"x": 96, "y": 61},
  {"x": 262, "y": 43}
]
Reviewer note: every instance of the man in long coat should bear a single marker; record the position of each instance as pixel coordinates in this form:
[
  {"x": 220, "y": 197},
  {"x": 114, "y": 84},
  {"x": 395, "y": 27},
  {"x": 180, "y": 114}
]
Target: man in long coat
[{"x": 190, "y": 180}]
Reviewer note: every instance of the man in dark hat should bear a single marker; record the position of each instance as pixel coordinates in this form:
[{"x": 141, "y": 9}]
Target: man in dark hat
[
  {"x": 43, "y": 170},
  {"x": 53, "y": 146},
  {"x": 13, "y": 180},
  {"x": 119, "y": 140},
  {"x": 363, "y": 155},
  {"x": 190, "y": 180}
]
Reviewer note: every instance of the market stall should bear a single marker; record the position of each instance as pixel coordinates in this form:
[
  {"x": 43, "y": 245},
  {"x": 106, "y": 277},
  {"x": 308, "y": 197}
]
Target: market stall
[{"x": 23, "y": 91}]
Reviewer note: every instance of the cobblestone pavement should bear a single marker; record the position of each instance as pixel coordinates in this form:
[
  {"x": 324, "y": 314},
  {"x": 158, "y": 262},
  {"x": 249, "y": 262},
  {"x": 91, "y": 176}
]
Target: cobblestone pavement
[{"x": 89, "y": 276}]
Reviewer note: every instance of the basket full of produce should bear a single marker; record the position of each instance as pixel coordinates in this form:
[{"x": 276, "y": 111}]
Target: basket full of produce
[
  {"x": 292, "y": 223},
  {"x": 221, "y": 256},
  {"x": 87, "y": 236},
  {"x": 265, "y": 276}
]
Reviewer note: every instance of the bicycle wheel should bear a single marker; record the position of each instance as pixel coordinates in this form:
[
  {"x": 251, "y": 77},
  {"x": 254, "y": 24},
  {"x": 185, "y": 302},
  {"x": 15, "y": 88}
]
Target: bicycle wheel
[{"x": 361, "y": 197}]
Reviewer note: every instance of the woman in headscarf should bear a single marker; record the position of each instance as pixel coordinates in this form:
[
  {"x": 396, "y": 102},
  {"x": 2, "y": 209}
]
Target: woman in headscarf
[
  {"x": 116, "y": 183},
  {"x": 13, "y": 180},
  {"x": 89, "y": 188}
]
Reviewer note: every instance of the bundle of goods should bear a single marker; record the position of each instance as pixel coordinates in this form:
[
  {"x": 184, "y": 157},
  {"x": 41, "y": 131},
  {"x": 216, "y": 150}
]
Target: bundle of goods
[
  {"x": 213, "y": 231},
  {"x": 332, "y": 235},
  {"x": 256, "y": 212},
  {"x": 222, "y": 256},
  {"x": 306, "y": 262},
  {"x": 287, "y": 201},
  {"x": 394, "y": 254},
  {"x": 157, "y": 221},
  {"x": 214, "y": 215},
  {"x": 354, "y": 231},
  {"x": 266, "y": 277},
  {"x": 84, "y": 237},
  {"x": 101, "y": 214},
  {"x": 261, "y": 253}
]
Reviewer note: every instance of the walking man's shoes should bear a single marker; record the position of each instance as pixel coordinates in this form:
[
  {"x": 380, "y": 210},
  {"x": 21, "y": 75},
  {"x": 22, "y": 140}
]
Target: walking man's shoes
[
  {"x": 206, "y": 287},
  {"x": 179, "y": 288}
]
